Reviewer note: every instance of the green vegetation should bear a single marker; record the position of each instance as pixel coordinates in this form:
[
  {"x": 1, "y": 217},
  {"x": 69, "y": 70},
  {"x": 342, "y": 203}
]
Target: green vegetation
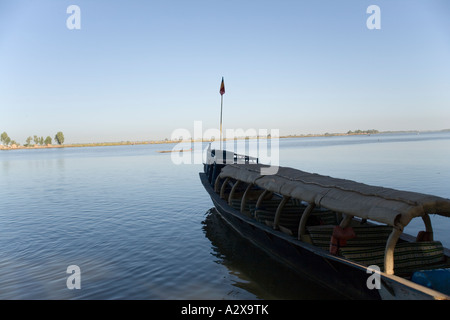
[
  {"x": 5, "y": 139},
  {"x": 59, "y": 138},
  {"x": 38, "y": 141},
  {"x": 372, "y": 131},
  {"x": 28, "y": 141}
]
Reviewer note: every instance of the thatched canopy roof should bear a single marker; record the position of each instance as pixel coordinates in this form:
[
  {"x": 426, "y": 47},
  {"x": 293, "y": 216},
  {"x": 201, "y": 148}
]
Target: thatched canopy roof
[{"x": 385, "y": 205}]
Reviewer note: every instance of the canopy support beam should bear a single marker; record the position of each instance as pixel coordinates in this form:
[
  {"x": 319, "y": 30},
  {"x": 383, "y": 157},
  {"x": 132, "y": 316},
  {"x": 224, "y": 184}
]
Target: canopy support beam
[
  {"x": 222, "y": 190},
  {"x": 304, "y": 219},
  {"x": 244, "y": 198},
  {"x": 428, "y": 227},
  {"x": 276, "y": 220},
  {"x": 233, "y": 190},
  {"x": 261, "y": 198},
  {"x": 389, "y": 251}
]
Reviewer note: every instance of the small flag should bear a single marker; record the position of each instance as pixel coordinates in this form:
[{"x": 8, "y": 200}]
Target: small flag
[{"x": 222, "y": 87}]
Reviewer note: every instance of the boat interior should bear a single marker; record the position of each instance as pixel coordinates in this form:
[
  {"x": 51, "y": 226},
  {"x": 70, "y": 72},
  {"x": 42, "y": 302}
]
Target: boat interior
[{"x": 353, "y": 238}]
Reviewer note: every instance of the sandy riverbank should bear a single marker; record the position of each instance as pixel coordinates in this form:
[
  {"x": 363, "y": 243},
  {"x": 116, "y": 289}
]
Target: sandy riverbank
[
  {"x": 100, "y": 144},
  {"x": 78, "y": 145}
]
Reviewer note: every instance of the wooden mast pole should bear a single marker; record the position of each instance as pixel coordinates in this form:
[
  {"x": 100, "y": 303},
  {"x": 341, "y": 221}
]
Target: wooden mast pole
[{"x": 222, "y": 91}]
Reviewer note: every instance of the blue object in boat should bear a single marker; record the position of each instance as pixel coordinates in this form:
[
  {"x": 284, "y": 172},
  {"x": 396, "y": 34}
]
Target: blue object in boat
[{"x": 438, "y": 279}]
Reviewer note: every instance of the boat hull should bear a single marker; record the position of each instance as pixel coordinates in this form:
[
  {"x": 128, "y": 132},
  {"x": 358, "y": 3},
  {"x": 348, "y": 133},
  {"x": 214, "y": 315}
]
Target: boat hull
[{"x": 345, "y": 277}]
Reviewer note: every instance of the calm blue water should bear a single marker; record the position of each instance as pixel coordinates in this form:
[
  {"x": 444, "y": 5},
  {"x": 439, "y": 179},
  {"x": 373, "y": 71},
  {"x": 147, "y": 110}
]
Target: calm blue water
[{"x": 140, "y": 226}]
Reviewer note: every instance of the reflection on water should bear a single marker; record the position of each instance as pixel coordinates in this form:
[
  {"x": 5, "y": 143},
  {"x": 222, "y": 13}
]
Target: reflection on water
[{"x": 257, "y": 272}]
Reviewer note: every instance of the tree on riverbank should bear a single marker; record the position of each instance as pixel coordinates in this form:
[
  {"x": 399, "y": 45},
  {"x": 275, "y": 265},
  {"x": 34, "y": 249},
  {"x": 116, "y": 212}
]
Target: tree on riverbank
[
  {"x": 28, "y": 141},
  {"x": 59, "y": 138},
  {"x": 5, "y": 139}
]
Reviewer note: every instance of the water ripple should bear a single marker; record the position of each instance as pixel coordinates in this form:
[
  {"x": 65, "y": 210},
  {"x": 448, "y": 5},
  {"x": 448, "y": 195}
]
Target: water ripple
[{"x": 135, "y": 223}]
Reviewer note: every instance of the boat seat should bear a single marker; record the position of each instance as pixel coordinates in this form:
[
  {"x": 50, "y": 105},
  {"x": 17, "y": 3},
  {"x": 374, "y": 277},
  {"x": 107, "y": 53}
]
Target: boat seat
[
  {"x": 321, "y": 235},
  {"x": 272, "y": 204},
  {"x": 366, "y": 236},
  {"x": 370, "y": 236},
  {"x": 408, "y": 256},
  {"x": 325, "y": 217},
  {"x": 268, "y": 208},
  {"x": 291, "y": 215},
  {"x": 249, "y": 204},
  {"x": 288, "y": 216},
  {"x": 292, "y": 205},
  {"x": 318, "y": 217}
]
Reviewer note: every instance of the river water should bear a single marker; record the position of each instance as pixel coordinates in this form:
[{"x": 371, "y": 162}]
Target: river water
[{"x": 140, "y": 226}]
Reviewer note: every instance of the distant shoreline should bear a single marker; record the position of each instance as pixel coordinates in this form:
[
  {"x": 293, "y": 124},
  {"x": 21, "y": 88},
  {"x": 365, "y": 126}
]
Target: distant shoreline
[
  {"x": 80, "y": 145},
  {"x": 124, "y": 143}
]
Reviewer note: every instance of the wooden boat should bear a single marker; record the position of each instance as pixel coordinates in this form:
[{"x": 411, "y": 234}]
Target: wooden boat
[{"x": 345, "y": 235}]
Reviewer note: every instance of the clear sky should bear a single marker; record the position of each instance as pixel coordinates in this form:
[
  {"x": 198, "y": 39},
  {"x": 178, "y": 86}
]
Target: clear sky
[{"x": 138, "y": 70}]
